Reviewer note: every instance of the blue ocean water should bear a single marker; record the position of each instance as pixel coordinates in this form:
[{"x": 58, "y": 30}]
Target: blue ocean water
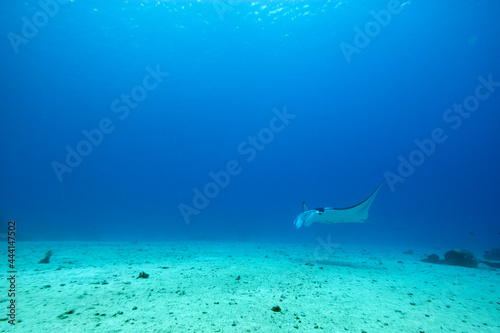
[{"x": 155, "y": 120}]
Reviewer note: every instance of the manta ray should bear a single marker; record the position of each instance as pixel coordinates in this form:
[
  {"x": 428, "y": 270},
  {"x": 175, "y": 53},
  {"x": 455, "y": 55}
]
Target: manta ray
[{"x": 328, "y": 215}]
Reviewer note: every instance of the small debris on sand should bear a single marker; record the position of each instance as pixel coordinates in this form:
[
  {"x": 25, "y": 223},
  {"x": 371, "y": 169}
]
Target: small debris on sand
[
  {"x": 143, "y": 275},
  {"x": 47, "y": 258}
]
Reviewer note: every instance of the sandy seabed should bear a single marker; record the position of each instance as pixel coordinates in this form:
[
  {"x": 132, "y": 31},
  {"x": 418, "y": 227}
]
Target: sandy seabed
[{"x": 233, "y": 287}]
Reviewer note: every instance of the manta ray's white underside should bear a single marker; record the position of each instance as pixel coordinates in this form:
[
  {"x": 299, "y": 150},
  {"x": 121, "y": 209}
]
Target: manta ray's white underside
[{"x": 356, "y": 213}]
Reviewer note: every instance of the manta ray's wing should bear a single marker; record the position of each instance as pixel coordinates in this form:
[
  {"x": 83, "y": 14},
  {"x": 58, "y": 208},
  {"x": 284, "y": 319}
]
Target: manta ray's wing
[{"x": 356, "y": 213}]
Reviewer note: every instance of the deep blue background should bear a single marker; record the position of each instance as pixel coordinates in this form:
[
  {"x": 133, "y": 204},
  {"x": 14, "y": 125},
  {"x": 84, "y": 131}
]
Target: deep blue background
[{"x": 230, "y": 64}]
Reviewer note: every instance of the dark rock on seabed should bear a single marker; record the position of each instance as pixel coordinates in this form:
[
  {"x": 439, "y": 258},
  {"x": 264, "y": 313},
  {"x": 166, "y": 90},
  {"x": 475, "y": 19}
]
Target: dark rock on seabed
[{"x": 462, "y": 258}]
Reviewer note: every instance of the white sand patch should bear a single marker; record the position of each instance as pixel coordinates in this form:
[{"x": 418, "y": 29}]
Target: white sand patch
[{"x": 194, "y": 287}]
